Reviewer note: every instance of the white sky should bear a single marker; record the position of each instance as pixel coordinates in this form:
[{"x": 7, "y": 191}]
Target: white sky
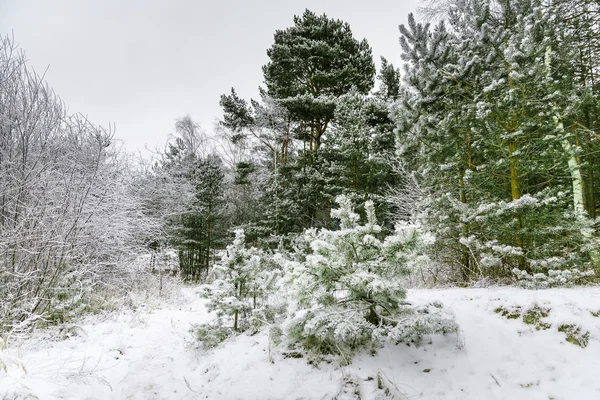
[{"x": 143, "y": 63}]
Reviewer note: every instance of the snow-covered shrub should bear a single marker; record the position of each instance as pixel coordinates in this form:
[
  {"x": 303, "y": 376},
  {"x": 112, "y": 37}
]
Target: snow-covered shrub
[
  {"x": 212, "y": 335},
  {"x": 348, "y": 290},
  {"x": 553, "y": 278},
  {"x": 239, "y": 294}
]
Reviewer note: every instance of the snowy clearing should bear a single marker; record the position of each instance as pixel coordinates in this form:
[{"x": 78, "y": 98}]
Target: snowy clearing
[{"x": 152, "y": 355}]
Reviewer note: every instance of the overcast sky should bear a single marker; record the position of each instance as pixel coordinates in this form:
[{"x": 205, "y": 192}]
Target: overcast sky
[{"x": 143, "y": 63}]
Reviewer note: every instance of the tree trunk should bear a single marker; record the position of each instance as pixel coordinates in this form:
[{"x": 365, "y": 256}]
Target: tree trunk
[
  {"x": 576, "y": 179},
  {"x": 584, "y": 191},
  {"x": 515, "y": 191},
  {"x": 328, "y": 213},
  {"x": 354, "y": 173},
  {"x": 591, "y": 181},
  {"x": 208, "y": 241},
  {"x": 466, "y": 257},
  {"x": 466, "y": 252}
]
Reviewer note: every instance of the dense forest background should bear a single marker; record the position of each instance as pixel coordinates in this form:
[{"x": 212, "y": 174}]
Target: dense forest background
[{"x": 486, "y": 138}]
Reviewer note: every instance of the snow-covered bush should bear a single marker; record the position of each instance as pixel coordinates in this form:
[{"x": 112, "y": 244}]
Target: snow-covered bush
[
  {"x": 553, "y": 278},
  {"x": 211, "y": 335},
  {"x": 349, "y": 291},
  {"x": 72, "y": 213},
  {"x": 239, "y": 294}
]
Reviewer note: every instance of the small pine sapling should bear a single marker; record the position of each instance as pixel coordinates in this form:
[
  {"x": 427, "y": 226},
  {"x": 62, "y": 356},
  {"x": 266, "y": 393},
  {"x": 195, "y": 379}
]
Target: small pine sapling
[
  {"x": 238, "y": 296},
  {"x": 350, "y": 291}
]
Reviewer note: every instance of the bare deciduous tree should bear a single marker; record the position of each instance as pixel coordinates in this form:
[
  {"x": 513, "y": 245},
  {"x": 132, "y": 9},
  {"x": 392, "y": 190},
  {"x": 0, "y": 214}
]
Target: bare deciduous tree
[{"x": 69, "y": 214}]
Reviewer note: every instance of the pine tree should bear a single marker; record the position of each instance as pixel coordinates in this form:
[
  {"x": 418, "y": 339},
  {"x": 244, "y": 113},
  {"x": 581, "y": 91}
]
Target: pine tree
[
  {"x": 269, "y": 167},
  {"x": 195, "y": 229},
  {"x": 389, "y": 81},
  {"x": 349, "y": 286},
  {"x": 313, "y": 62},
  {"x": 243, "y": 283},
  {"x": 482, "y": 116},
  {"x": 355, "y": 157}
]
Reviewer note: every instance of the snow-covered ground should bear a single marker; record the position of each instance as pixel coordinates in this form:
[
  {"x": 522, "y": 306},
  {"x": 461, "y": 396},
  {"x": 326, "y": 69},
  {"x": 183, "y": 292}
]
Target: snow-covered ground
[{"x": 152, "y": 355}]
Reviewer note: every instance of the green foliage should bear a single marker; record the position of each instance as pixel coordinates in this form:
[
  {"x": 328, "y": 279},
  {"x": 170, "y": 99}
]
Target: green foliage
[
  {"x": 509, "y": 313},
  {"x": 211, "y": 336},
  {"x": 389, "y": 78},
  {"x": 276, "y": 334},
  {"x": 239, "y": 294},
  {"x": 237, "y": 115},
  {"x": 349, "y": 287},
  {"x": 534, "y": 316},
  {"x": 355, "y": 158},
  {"x": 197, "y": 230},
  {"x": 194, "y": 182},
  {"x": 312, "y": 63},
  {"x": 71, "y": 298},
  {"x": 318, "y": 79},
  {"x": 554, "y": 278},
  {"x": 243, "y": 172},
  {"x": 317, "y": 56},
  {"x": 488, "y": 127},
  {"x": 575, "y": 335}
]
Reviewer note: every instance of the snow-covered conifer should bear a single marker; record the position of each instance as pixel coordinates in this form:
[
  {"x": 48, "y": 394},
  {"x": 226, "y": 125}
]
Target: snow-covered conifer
[
  {"x": 349, "y": 289},
  {"x": 238, "y": 295}
]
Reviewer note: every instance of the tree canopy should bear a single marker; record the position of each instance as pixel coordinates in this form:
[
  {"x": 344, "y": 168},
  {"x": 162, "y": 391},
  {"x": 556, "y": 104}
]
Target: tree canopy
[{"x": 313, "y": 61}]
